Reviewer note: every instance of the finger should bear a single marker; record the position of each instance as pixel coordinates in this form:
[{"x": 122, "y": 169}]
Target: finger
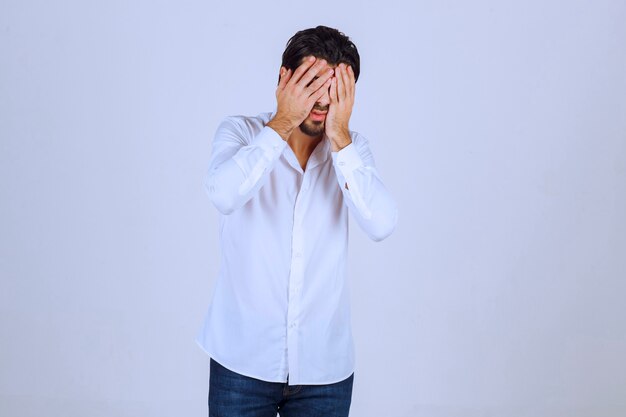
[
  {"x": 302, "y": 68},
  {"x": 319, "y": 93},
  {"x": 312, "y": 72},
  {"x": 319, "y": 82},
  {"x": 333, "y": 91},
  {"x": 346, "y": 81},
  {"x": 351, "y": 81},
  {"x": 341, "y": 91}
]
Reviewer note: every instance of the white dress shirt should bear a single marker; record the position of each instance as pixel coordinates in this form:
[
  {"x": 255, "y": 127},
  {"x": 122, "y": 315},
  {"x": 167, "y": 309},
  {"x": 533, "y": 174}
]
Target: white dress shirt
[{"x": 281, "y": 302}]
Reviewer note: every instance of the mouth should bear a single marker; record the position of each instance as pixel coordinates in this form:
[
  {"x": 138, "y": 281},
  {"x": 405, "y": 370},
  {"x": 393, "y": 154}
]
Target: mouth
[{"x": 318, "y": 116}]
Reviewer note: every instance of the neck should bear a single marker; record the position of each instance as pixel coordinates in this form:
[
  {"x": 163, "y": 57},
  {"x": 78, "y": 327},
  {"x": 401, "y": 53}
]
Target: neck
[{"x": 302, "y": 143}]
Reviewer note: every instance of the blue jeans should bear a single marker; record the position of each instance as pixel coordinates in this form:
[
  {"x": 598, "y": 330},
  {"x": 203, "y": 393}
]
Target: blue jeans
[{"x": 234, "y": 395}]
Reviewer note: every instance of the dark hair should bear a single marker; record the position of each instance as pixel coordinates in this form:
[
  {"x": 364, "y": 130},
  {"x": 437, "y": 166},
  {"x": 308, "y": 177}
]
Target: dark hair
[{"x": 321, "y": 42}]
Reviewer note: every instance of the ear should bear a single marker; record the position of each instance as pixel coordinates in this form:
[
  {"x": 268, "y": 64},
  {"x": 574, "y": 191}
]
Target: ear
[{"x": 280, "y": 74}]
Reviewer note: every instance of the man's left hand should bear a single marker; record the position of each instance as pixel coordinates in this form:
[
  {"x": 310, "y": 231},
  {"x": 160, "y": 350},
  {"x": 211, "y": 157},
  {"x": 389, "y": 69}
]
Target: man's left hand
[{"x": 340, "y": 108}]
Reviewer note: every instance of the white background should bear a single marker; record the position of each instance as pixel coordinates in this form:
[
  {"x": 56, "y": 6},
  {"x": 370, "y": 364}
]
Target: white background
[{"x": 499, "y": 126}]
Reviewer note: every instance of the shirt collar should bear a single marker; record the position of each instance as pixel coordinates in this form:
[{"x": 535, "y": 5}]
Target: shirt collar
[{"x": 321, "y": 152}]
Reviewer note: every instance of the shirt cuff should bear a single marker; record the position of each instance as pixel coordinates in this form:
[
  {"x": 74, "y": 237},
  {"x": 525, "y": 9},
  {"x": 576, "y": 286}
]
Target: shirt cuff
[
  {"x": 270, "y": 141},
  {"x": 347, "y": 159}
]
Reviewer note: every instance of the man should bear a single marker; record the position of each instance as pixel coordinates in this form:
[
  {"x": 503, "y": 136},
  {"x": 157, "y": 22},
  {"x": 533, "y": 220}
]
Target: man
[{"x": 278, "y": 328}]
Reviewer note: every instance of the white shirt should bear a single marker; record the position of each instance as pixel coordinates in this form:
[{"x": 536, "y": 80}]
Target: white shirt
[{"x": 281, "y": 302}]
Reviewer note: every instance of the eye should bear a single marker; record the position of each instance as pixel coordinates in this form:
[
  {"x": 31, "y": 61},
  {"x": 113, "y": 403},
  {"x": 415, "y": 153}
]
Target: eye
[{"x": 314, "y": 78}]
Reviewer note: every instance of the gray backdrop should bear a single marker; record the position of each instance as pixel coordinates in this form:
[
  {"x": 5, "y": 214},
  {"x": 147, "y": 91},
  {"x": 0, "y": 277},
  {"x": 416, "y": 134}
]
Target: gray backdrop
[{"x": 499, "y": 126}]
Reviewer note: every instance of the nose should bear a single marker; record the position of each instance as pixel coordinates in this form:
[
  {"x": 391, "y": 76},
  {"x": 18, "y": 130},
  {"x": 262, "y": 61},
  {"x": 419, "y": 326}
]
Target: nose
[{"x": 323, "y": 102}]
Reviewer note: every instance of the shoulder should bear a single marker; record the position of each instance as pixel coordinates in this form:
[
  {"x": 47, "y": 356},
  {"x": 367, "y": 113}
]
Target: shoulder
[
  {"x": 362, "y": 146},
  {"x": 359, "y": 139},
  {"x": 244, "y": 126},
  {"x": 249, "y": 122},
  {"x": 246, "y": 122}
]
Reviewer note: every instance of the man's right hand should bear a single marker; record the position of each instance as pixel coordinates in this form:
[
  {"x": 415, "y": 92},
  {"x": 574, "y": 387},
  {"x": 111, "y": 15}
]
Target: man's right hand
[{"x": 295, "y": 97}]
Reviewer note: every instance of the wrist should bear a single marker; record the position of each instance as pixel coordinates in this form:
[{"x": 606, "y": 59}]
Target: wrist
[
  {"x": 281, "y": 126},
  {"x": 340, "y": 140}
]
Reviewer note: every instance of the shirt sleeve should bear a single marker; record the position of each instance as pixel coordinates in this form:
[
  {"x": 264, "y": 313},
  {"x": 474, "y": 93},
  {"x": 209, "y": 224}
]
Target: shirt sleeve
[
  {"x": 364, "y": 192},
  {"x": 240, "y": 163}
]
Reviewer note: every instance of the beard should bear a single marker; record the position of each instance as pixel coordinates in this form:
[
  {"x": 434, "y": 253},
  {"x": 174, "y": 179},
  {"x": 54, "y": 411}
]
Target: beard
[{"x": 312, "y": 127}]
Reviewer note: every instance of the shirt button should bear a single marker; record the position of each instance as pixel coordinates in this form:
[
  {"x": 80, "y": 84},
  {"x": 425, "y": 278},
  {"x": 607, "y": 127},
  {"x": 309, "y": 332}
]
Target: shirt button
[
  {"x": 341, "y": 163},
  {"x": 298, "y": 254},
  {"x": 292, "y": 325}
]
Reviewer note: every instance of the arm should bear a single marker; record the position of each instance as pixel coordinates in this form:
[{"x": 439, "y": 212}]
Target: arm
[
  {"x": 239, "y": 166},
  {"x": 363, "y": 190},
  {"x": 364, "y": 193}
]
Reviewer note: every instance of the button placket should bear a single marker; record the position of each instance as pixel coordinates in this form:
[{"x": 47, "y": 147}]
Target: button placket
[{"x": 295, "y": 282}]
